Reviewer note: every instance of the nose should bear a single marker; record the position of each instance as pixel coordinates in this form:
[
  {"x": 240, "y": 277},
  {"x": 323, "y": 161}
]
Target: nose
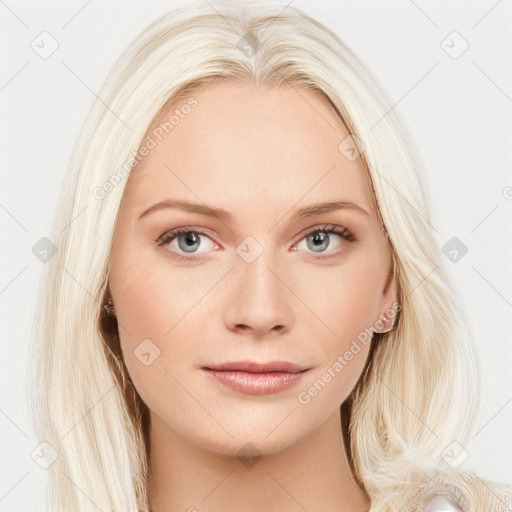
[{"x": 258, "y": 301}]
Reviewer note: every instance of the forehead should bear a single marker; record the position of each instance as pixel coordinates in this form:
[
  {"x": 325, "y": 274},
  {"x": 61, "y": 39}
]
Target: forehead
[{"x": 244, "y": 145}]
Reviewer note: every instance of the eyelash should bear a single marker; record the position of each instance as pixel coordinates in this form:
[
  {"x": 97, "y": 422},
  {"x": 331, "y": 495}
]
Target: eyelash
[{"x": 169, "y": 236}]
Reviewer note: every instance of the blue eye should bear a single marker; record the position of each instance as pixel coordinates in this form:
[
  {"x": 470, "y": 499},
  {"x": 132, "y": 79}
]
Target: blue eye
[
  {"x": 188, "y": 240},
  {"x": 318, "y": 240}
]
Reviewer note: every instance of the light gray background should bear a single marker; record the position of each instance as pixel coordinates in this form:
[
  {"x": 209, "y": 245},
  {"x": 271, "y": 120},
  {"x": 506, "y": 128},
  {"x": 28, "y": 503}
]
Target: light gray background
[{"x": 457, "y": 109}]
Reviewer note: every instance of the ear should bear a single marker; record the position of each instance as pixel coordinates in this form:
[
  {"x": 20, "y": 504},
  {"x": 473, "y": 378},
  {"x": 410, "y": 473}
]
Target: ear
[{"x": 389, "y": 307}]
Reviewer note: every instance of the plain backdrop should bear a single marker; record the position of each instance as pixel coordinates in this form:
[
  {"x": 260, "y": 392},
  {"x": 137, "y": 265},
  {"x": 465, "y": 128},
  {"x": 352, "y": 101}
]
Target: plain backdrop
[{"x": 457, "y": 103}]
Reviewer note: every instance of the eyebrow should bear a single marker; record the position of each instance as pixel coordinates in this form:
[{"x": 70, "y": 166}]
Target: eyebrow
[{"x": 225, "y": 216}]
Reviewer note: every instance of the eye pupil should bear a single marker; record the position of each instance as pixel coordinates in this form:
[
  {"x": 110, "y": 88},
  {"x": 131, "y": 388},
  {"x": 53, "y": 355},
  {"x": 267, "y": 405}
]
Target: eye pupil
[
  {"x": 319, "y": 238},
  {"x": 190, "y": 238}
]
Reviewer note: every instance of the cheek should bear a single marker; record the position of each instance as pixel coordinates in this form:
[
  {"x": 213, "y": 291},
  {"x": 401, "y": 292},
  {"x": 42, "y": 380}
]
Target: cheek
[
  {"x": 150, "y": 298},
  {"x": 347, "y": 306},
  {"x": 158, "y": 303},
  {"x": 151, "y": 308},
  {"x": 350, "y": 297}
]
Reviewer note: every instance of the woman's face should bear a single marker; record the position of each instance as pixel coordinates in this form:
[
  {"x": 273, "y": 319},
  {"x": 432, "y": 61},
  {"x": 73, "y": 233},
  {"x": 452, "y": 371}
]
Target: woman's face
[{"x": 249, "y": 281}]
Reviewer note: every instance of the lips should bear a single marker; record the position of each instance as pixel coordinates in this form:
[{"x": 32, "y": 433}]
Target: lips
[
  {"x": 254, "y": 367},
  {"x": 251, "y": 378}
]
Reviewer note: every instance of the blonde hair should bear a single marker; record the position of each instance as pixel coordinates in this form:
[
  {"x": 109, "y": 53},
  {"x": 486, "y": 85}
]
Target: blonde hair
[{"x": 419, "y": 392}]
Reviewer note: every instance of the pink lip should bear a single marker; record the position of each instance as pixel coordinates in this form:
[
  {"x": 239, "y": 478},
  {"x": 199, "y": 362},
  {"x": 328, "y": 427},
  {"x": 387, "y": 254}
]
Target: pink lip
[{"x": 256, "y": 378}]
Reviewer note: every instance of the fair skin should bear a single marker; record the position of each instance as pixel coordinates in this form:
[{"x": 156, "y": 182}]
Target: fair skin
[{"x": 261, "y": 154}]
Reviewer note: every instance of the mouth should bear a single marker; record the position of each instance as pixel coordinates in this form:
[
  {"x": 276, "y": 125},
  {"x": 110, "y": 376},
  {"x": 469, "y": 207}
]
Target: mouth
[{"x": 253, "y": 378}]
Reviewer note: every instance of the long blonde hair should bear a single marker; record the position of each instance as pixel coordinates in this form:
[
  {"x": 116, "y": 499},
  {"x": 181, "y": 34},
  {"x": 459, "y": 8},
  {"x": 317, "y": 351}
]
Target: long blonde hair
[{"x": 419, "y": 391}]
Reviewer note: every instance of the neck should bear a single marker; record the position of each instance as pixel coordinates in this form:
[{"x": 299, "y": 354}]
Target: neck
[{"x": 312, "y": 474}]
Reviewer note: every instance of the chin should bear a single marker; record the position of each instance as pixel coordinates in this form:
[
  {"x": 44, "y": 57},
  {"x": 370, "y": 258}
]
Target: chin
[
  {"x": 245, "y": 442},
  {"x": 251, "y": 447}
]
